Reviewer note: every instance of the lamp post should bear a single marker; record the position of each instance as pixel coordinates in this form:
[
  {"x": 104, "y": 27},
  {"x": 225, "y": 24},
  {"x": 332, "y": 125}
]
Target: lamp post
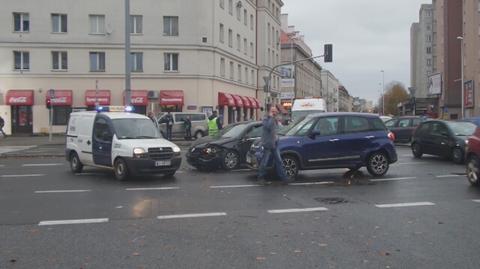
[
  {"x": 128, "y": 86},
  {"x": 383, "y": 92},
  {"x": 460, "y": 38}
]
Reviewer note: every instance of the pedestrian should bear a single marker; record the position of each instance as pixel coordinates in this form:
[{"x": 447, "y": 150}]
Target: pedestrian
[
  {"x": 213, "y": 124},
  {"x": 269, "y": 142},
  {"x": 187, "y": 122},
  {"x": 169, "y": 123},
  {"x": 2, "y": 124}
]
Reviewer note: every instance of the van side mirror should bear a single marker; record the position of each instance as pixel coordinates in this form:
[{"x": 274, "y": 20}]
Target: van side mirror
[{"x": 314, "y": 134}]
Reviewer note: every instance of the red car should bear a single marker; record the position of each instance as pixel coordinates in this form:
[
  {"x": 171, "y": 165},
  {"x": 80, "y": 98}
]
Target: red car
[{"x": 473, "y": 156}]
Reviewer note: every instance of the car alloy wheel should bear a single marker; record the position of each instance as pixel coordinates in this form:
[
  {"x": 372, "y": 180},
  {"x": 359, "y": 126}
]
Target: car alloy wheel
[
  {"x": 291, "y": 167},
  {"x": 230, "y": 161},
  {"x": 378, "y": 164},
  {"x": 473, "y": 171},
  {"x": 457, "y": 155}
]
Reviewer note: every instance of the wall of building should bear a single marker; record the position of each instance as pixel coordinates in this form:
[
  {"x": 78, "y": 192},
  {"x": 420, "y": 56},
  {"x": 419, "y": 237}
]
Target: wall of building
[{"x": 472, "y": 51}]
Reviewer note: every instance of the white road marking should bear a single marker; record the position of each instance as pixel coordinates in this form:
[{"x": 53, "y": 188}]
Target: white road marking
[
  {"x": 73, "y": 221},
  {"x": 242, "y": 170},
  {"x": 91, "y": 174},
  {"x": 407, "y": 155},
  {"x": 153, "y": 189},
  {"x": 26, "y": 175},
  {"x": 297, "y": 210},
  {"x": 235, "y": 186},
  {"x": 391, "y": 179},
  {"x": 41, "y": 164},
  {"x": 199, "y": 215},
  {"x": 62, "y": 191},
  {"x": 409, "y": 163},
  {"x": 311, "y": 183},
  {"x": 476, "y": 201},
  {"x": 404, "y": 204},
  {"x": 445, "y": 176}
]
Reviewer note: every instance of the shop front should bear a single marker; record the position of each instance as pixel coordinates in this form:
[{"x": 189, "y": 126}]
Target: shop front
[
  {"x": 21, "y": 102},
  {"x": 61, "y": 106},
  {"x": 94, "y": 97},
  {"x": 172, "y": 100},
  {"x": 226, "y": 107}
]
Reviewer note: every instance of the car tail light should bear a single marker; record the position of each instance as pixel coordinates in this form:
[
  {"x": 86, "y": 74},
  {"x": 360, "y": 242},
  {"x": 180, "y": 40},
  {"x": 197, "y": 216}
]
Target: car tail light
[{"x": 391, "y": 136}]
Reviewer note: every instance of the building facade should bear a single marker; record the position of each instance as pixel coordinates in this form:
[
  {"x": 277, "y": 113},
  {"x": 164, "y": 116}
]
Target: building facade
[
  {"x": 211, "y": 55},
  {"x": 345, "y": 100},
  {"x": 330, "y": 93},
  {"x": 471, "y": 56},
  {"x": 421, "y": 46}
]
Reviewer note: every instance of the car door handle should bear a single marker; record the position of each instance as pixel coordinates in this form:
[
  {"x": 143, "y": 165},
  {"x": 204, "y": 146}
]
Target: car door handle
[
  {"x": 334, "y": 140},
  {"x": 369, "y": 137}
]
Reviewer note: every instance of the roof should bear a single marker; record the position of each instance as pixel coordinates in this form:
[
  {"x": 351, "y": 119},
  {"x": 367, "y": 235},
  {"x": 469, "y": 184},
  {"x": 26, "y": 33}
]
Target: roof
[{"x": 113, "y": 115}]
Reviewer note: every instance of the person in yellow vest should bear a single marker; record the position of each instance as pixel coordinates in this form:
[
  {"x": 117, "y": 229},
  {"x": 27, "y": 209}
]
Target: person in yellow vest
[{"x": 213, "y": 125}]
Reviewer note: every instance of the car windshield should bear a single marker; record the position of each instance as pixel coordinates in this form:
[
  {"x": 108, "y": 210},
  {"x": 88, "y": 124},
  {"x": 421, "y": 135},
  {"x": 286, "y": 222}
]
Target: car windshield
[
  {"x": 135, "y": 129},
  {"x": 232, "y": 131},
  {"x": 462, "y": 128}
]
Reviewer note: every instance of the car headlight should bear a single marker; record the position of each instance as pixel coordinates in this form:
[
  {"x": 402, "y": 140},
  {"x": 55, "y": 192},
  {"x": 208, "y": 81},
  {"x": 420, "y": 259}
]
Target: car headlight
[
  {"x": 210, "y": 150},
  {"x": 466, "y": 142},
  {"x": 139, "y": 152},
  {"x": 176, "y": 149}
]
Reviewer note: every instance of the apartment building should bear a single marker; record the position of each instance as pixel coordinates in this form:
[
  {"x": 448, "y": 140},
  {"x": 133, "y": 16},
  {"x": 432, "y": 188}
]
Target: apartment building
[
  {"x": 330, "y": 86},
  {"x": 209, "y": 56}
]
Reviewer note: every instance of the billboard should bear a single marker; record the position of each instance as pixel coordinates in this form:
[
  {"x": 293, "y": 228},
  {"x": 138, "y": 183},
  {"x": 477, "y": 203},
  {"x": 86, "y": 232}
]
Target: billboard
[
  {"x": 435, "y": 84},
  {"x": 287, "y": 73},
  {"x": 469, "y": 94}
]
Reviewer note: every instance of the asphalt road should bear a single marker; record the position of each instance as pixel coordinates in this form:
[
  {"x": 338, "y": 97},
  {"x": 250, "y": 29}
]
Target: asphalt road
[{"x": 423, "y": 214}]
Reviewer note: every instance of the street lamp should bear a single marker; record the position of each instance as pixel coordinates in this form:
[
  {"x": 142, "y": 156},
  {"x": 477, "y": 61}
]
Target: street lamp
[
  {"x": 383, "y": 92},
  {"x": 462, "y": 79},
  {"x": 128, "y": 85}
]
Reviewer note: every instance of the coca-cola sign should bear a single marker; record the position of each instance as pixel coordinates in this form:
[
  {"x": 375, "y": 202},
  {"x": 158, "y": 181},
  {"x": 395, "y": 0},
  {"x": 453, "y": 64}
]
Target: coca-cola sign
[
  {"x": 18, "y": 100},
  {"x": 138, "y": 100}
]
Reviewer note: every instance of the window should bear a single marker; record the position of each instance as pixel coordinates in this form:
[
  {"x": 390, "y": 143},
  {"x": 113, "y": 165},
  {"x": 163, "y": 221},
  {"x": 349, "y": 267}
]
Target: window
[
  {"x": 269, "y": 40},
  {"x": 230, "y": 38},
  {"x": 356, "y": 124},
  {"x": 61, "y": 114},
  {"x": 137, "y": 61},
  {"x": 239, "y": 12},
  {"x": 101, "y": 130},
  {"x": 222, "y": 33},
  {"x": 230, "y": 7},
  {"x": 404, "y": 123},
  {"x": 170, "y": 25},
  {"x": 171, "y": 62},
  {"x": 429, "y": 62},
  {"x": 198, "y": 117},
  {"x": 245, "y": 46},
  {"x": 222, "y": 4},
  {"x": 222, "y": 67},
  {"x": 438, "y": 129},
  {"x": 327, "y": 126},
  {"x": 252, "y": 74},
  {"x": 429, "y": 38},
  {"x": 416, "y": 122},
  {"x": 239, "y": 73},
  {"x": 429, "y": 50},
  {"x": 239, "y": 44},
  {"x": 302, "y": 128},
  {"x": 136, "y": 24},
  {"x": 245, "y": 17},
  {"x": 246, "y": 75},
  {"x": 377, "y": 124},
  {"x": 251, "y": 22},
  {"x": 21, "y": 22},
  {"x": 251, "y": 50},
  {"x": 231, "y": 70},
  {"x": 97, "y": 24},
  {"x": 97, "y": 61},
  {"x": 21, "y": 60},
  {"x": 59, "y": 23},
  {"x": 59, "y": 60},
  {"x": 255, "y": 132},
  {"x": 390, "y": 123},
  {"x": 269, "y": 60}
]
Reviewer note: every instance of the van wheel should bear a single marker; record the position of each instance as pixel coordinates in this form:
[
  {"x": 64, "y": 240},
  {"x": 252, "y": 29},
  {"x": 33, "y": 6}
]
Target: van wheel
[
  {"x": 199, "y": 135},
  {"x": 120, "y": 169},
  {"x": 378, "y": 164},
  {"x": 75, "y": 165}
]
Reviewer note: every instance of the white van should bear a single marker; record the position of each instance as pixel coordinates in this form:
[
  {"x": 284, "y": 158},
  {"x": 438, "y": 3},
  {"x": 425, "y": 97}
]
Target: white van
[
  {"x": 128, "y": 143},
  {"x": 304, "y": 107}
]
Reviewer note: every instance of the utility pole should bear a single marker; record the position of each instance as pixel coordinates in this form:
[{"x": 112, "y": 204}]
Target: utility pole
[
  {"x": 128, "y": 85},
  {"x": 460, "y": 38}
]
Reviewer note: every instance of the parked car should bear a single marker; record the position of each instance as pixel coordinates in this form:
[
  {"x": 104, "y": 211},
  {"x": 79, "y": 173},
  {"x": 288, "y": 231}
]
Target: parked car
[
  {"x": 403, "y": 127},
  {"x": 199, "y": 124},
  {"x": 442, "y": 138},
  {"x": 335, "y": 140},
  {"x": 473, "y": 154},
  {"x": 227, "y": 150}
]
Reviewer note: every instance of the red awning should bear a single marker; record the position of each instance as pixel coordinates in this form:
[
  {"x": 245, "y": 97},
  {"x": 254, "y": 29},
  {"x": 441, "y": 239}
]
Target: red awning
[
  {"x": 19, "y": 97},
  {"x": 238, "y": 100},
  {"x": 281, "y": 109},
  {"x": 171, "y": 98},
  {"x": 61, "y": 98},
  {"x": 225, "y": 99},
  {"x": 103, "y": 97},
  {"x": 138, "y": 97},
  {"x": 254, "y": 103},
  {"x": 246, "y": 102}
]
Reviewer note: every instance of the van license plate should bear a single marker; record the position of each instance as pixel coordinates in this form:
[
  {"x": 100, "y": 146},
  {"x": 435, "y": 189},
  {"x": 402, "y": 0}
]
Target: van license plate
[{"x": 163, "y": 163}]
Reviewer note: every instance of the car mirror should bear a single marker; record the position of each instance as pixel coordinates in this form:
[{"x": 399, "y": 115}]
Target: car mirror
[{"x": 314, "y": 134}]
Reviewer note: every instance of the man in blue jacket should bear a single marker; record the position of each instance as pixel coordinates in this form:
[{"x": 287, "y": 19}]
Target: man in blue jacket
[{"x": 270, "y": 147}]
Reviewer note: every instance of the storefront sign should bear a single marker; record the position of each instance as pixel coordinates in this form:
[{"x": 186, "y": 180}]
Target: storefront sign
[
  {"x": 19, "y": 97},
  {"x": 100, "y": 96},
  {"x": 287, "y": 73},
  {"x": 60, "y": 97},
  {"x": 469, "y": 94},
  {"x": 287, "y": 95},
  {"x": 171, "y": 98}
]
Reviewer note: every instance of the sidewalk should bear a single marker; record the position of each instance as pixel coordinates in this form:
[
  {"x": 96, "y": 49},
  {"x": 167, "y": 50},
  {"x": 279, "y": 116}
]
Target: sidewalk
[{"x": 40, "y": 146}]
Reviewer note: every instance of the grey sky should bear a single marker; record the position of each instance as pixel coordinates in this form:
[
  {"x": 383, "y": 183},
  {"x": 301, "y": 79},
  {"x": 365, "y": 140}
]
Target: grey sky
[{"x": 368, "y": 36}]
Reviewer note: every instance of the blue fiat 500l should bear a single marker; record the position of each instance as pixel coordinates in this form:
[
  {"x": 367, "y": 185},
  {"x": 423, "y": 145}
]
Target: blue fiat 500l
[{"x": 335, "y": 140}]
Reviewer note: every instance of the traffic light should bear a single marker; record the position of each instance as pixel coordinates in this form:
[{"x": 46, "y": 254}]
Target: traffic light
[
  {"x": 49, "y": 103},
  {"x": 328, "y": 55}
]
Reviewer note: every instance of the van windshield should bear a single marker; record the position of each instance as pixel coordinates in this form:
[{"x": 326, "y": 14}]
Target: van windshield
[
  {"x": 135, "y": 129},
  {"x": 296, "y": 115}
]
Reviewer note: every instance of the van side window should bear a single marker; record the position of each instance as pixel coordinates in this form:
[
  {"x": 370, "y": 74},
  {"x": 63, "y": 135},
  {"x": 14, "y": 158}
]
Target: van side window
[
  {"x": 198, "y": 117},
  {"x": 180, "y": 117},
  {"x": 101, "y": 130}
]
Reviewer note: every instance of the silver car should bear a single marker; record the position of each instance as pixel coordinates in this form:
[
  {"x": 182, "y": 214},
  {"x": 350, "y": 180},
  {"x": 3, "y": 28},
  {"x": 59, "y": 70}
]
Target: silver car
[{"x": 199, "y": 124}]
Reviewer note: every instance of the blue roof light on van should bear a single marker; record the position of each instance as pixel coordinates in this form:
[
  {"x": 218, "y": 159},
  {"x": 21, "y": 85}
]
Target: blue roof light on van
[
  {"x": 115, "y": 109},
  {"x": 129, "y": 109}
]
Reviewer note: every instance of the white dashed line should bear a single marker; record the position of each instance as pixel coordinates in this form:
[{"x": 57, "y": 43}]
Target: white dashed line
[
  {"x": 74, "y": 221},
  {"x": 62, "y": 191},
  {"x": 404, "y": 204},
  {"x": 41, "y": 164},
  {"x": 297, "y": 210},
  {"x": 235, "y": 186},
  {"x": 199, "y": 215},
  {"x": 446, "y": 176},
  {"x": 476, "y": 201},
  {"x": 27, "y": 175},
  {"x": 311, "y": 183},
  {"x": 391, "y": 179},
  {"x": 153, "y": 189}
]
